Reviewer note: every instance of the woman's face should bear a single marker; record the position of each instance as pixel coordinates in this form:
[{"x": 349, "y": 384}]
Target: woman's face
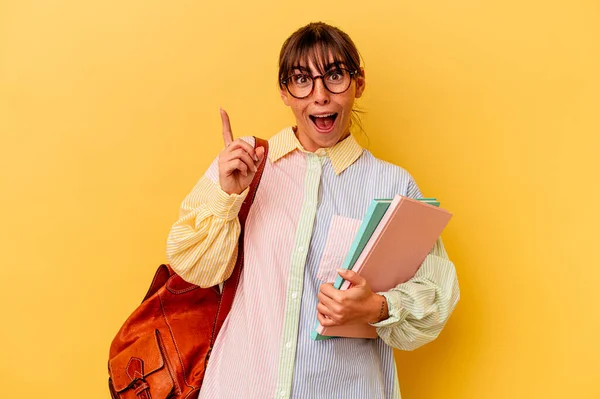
[{"x": 323, "y": 118}]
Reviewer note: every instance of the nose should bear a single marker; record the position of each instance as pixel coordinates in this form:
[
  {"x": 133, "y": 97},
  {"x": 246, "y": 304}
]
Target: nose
[{"x": 320, "y": 93}]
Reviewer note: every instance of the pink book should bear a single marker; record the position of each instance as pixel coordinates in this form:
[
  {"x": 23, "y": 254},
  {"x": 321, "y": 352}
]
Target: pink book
[{"x": 399, "y": 245}]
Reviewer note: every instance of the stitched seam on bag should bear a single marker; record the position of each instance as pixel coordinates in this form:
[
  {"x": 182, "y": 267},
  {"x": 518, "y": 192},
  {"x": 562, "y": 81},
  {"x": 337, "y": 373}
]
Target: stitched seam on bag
[
  {"x": 110, "y": 370},
  {"x": 194, "y": 394},
  {"x": 167, "y": 363},
  {"x": 177, "y": 292},
  {"x": 133, "y": 379},
  {"x": 159, "y": 272},
  {"x": 111, "y": 388},
  {"x": 162, "y": 308}
]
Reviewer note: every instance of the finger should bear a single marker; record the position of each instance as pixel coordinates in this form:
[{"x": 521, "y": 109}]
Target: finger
[
  {"x": 241, "y": 154},
  {"x": 236, "y": 164},
  {"x": 325, "y": 311},
  {"x": 352, "y": 277},
  {"x": 329, "y": 302},
  {"x": 330, "y": 291},
  {"x": 239, "y": 143},
  {"x": 227, "y": 134},
  {"x": 260, "y": 153},
  {"x": 325, "y": 322}
]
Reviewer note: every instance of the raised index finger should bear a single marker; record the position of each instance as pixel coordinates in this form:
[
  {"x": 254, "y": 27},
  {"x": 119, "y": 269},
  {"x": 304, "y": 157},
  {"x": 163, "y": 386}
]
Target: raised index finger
[{"x": 227, "y": 135}]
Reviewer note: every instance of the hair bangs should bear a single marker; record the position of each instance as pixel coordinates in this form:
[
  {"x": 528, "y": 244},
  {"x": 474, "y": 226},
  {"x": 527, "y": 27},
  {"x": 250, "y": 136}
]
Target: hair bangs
[{"x": 320, "y": 45}]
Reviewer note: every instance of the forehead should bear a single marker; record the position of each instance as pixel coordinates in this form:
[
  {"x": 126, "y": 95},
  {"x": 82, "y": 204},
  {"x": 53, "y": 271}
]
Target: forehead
[{"x": 317, "y": 59}]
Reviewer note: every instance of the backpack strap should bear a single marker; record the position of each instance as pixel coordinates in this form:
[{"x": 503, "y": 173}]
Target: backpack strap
[{"x": 231, "y": 284}]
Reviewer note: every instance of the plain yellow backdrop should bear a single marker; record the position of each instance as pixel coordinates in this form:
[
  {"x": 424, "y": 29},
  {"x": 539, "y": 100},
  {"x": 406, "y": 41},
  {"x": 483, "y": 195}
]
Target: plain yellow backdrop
[{"x": 109, "y": 115}]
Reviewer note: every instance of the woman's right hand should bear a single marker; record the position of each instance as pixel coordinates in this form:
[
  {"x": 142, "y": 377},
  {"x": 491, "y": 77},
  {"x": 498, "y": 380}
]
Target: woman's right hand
[{"x": 238, "y": 162}]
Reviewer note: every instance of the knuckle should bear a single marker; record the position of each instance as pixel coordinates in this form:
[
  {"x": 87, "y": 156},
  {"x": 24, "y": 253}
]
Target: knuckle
[
  {"x": 337, "y": 309},
  {"x": 239, "y": 142}
]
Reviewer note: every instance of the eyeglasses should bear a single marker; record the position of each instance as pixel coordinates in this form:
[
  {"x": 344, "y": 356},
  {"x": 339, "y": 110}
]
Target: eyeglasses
[{"x": 335, "y": 81}]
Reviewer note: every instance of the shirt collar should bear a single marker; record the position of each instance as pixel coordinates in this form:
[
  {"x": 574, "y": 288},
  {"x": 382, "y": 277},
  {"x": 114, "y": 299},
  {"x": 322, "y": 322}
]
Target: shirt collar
[{"x": 342, "y": 155}]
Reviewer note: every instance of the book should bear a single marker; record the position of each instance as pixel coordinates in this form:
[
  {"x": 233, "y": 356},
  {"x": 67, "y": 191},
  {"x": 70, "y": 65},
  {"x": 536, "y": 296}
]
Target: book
[
  {"x": 430, "y": 201},
  {"x": 393, "y": 252},
  {"x": 375, "y": 212}
]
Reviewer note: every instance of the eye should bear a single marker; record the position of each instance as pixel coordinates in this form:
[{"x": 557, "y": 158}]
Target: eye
[
  {"x": 335, "y": 76},
  {"x": 301, "y": 80}
]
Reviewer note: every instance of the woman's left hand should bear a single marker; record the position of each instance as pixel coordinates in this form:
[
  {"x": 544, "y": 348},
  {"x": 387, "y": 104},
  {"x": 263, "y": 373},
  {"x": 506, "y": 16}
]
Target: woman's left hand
[{"x": 358, "y": 304}]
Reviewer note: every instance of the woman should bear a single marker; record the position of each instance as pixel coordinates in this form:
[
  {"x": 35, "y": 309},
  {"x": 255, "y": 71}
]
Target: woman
[{"x": 316, "y": 187}]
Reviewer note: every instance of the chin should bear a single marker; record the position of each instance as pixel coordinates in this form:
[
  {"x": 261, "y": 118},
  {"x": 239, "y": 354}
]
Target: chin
[
  {"x": 321, "y": 138},
  {"x": 328, "y": 139}
]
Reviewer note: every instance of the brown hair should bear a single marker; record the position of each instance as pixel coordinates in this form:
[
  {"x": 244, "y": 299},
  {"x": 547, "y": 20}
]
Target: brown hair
[{"x": 315, "y": 43}]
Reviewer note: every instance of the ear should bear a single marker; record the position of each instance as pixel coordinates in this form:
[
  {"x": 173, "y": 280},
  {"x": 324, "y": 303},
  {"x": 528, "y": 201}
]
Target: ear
[
  {"x": 284, "y": 96},
  {"x": 360, "y": 83}
]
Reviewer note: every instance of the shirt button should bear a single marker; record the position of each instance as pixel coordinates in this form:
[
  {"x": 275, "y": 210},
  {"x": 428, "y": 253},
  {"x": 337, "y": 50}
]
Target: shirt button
[
  {"x": 294, "y": 295},
  {"x": 300, "y": 249},
  {"x": 282, "y": 393},
  {"x": 288, "y": 345}
]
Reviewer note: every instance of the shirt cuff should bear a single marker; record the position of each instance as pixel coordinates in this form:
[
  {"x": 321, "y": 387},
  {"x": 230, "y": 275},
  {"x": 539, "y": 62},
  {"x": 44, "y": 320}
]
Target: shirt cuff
[
  {"x": 395, "y": 311},
  {"x": 225, "y": 206}
]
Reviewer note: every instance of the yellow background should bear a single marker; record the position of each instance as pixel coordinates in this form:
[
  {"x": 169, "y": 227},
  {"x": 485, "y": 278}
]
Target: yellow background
[{"x": 109, "y": 115}]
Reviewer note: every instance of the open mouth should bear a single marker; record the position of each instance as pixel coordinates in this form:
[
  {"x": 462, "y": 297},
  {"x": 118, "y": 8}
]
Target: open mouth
[{"x": 324, "y": 123}]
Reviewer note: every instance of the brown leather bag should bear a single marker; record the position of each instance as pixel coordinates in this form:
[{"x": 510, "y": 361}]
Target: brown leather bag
[{"x": 162, "y": 349}]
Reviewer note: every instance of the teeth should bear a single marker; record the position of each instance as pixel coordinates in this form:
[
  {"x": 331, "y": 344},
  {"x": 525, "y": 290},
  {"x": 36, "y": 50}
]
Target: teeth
[{"x": 323, "y": 116}]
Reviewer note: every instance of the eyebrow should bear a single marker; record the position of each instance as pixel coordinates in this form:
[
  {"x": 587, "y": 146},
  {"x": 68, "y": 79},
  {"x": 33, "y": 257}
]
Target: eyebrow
[
  {"x": 331, "y": 65},
  {"x": 300, "y": 68}
]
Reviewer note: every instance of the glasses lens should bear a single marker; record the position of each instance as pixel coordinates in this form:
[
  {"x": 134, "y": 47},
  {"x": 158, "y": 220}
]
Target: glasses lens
[
  {"x": 337, "y": 80},
  {"x": 300, "y": 85}
]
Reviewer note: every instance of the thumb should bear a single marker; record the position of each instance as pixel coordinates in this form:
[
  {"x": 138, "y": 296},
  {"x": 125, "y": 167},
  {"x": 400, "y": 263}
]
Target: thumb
[
  {"x": 353, "y": 277},
  {"x": 260, "y": 153}
]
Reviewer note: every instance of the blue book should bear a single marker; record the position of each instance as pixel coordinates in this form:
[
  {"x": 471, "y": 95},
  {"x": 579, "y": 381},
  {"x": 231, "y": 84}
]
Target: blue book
[{"x": 374, "y": 214}]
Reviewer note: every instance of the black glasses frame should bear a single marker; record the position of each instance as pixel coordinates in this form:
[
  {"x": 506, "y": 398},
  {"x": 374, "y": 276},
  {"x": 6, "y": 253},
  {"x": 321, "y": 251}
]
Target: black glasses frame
[{"x": 313, "y": 78}]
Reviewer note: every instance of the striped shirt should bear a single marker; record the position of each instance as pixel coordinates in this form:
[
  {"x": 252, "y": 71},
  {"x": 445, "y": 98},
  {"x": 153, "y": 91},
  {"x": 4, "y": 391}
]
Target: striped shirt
[{"x": 306, "y": 212}]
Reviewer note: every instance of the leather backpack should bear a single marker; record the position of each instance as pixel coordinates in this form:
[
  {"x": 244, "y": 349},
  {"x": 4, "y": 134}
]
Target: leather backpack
[{"x": 162, "y": 349}]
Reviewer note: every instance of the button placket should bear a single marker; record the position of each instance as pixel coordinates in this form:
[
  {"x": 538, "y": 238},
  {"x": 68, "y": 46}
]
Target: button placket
[{"x": 296, "y": 277}]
